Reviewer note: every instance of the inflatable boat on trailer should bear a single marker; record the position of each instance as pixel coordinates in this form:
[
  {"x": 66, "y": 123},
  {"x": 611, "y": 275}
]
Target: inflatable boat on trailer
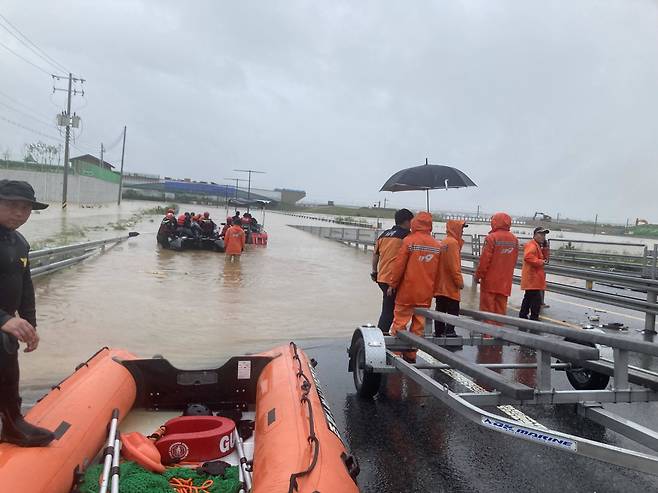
[
  {"x": 578, "y": 352},
  {"x": 263, "y": 414}
]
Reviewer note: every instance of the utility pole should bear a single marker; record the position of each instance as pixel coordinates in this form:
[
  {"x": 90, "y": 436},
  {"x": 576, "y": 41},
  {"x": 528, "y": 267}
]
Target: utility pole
[
  {"x": 249, "y": 171},
  {"x": 237, "y": 185},
  {"x": 69, "y": 121},
  {"x": 385, "y": 202},
  {"x": 123, "y": 152},
  {"x": 100, "y": 164},
  {"x": 596, "y": 221}
]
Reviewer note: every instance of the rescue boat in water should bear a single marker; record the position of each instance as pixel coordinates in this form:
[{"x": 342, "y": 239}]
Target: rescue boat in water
[{"x": 264, "y": 413}]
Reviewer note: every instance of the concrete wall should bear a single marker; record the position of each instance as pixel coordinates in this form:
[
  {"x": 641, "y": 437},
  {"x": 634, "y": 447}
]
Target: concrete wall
[{"x": 81, "y": 189}]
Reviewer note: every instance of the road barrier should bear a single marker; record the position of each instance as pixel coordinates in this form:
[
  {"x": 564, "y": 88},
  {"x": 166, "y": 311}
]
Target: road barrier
[
  {"x": 644, "y": 281},
  {"x": 49, "y": 260}
]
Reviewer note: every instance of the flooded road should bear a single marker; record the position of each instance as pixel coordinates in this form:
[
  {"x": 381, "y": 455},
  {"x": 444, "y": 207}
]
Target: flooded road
[
  {"x": 196, "y": 309},
  {"x": 192, "y": 307}
]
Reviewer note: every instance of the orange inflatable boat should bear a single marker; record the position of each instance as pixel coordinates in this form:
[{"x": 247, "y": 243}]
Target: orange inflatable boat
[{"x": 295, "y": 445}]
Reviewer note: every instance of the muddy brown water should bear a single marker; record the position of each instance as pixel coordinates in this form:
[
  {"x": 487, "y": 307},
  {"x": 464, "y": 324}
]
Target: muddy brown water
[{"x": 193, "y": 307}]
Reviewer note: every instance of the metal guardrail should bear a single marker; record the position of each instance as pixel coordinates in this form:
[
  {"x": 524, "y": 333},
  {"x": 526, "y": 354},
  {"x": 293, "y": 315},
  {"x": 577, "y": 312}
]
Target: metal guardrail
[
  {"x": 645, "y": 285},
  {"x": 49, "y": 260}
]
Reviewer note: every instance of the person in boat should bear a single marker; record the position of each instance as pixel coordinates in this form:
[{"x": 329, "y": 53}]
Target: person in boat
[
  {"x": 208, "y": 226},
  {"x": 167, "y": 230},
  {"x": 195, "y": 225},
  {"x": 497, "y": 263},
  {"x": 533, "y": 275},
  {"x": 227, "y": 225},
  {"x": 17, "y": 311},
  {"x": 253, "y": 224},
  {"x": 185, "y": 225},
  {"x": 386, "y": 249},
  {"x": 450, "y": 280},
  {"x": 234, "y": 240},
  {"x": 413, "y": 278}
]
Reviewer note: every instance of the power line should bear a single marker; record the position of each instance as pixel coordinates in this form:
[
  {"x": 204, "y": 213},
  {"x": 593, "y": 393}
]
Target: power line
[
  {"x": 16, "y": 101},
  {"x": 32, "y": 46},
  {"x": 25, "y": 59},
  {"x": 16, "y": 124},
  {"x": 43, "y": 122}
]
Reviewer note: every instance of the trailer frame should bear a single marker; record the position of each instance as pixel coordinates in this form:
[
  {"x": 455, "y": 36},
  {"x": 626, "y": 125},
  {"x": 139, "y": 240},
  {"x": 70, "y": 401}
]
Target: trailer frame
[{"x": 557, "y": 348}]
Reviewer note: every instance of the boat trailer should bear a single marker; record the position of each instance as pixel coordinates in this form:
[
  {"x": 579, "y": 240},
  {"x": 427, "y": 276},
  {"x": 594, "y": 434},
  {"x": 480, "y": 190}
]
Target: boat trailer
[{"x": 580, "y": 353}]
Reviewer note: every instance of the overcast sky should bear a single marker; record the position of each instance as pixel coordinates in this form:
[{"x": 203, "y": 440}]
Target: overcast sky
[{"x": 547, "y": 105}]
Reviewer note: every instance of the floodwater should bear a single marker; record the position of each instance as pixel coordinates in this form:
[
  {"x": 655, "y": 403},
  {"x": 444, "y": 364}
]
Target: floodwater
[
  {"x": 192, "y": 307},
  {"x": 196, "y": 309}
]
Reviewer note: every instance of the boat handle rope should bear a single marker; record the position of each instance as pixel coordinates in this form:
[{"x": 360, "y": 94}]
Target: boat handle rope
[{"x": 312, "y": 438}]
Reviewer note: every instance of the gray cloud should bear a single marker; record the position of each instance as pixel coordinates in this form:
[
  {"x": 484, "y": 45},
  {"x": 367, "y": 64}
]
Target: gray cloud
[{"x": 546, "y": 105}]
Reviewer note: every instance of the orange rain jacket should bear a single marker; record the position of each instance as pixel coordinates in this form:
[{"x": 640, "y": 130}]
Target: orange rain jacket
[
  {"x": 414, "y": 273},
  {"x": 533, "y": 275},
  {"x": 234, "y": 240},
  {"x": 451, "y": 281},
  {"x": 499, "y": 256}
]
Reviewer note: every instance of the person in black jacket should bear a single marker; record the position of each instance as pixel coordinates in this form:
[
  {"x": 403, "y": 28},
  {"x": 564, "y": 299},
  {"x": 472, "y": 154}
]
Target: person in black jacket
[{"x": 17, "y": 311}]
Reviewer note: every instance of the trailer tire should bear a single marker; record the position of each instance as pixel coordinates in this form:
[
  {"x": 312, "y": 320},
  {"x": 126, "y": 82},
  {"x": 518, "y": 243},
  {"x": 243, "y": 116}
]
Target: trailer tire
[
  {"x": 367, "y": 383},
  {"x": 585, "y": 379}
]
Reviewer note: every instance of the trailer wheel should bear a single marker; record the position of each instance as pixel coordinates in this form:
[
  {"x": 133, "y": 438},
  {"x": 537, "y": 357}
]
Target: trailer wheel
[
  {"x": 585, "y": 379},
  {"x": 366, "y": 382}
]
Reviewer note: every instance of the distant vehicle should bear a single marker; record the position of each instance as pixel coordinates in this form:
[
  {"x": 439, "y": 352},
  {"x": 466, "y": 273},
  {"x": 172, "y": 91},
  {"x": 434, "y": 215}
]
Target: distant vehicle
[{"x": 542, "y": 217}]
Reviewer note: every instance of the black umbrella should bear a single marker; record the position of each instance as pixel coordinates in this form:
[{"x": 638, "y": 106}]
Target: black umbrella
[{"x": 427, "y": 177}]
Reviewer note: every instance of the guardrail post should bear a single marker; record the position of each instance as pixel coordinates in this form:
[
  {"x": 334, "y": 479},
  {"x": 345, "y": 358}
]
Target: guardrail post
[
  {"x": 356, "y": 243},
  {"x": 475, "y": 249},
  {"x": 650, "y": 318},
  {"x": 621, "y": 369},
  {"x": 654, "y": 261}
]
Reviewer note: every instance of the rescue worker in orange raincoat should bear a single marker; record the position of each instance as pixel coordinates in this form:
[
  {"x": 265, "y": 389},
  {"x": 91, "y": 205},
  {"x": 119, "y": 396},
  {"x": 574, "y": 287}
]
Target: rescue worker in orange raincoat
[
  {"x": 497, "y": 262},
  {"x": 414, "y": 277},
  {"x": 450, "y": 280},
  {"x": 533, "y": 275},
  {"x": 234, "y": 240}
]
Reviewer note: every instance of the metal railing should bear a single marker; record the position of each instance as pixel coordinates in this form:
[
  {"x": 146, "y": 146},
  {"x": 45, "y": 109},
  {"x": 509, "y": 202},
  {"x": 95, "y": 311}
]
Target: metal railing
[
  {"x": 646, "y": 285},
  {"x": 49, "y": 260}
]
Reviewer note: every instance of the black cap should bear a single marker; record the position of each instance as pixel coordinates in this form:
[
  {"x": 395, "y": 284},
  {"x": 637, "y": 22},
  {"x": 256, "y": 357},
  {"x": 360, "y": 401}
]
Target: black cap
[
  {"x": 540, "y": 230},
  {"x": 20, "y": 190}
]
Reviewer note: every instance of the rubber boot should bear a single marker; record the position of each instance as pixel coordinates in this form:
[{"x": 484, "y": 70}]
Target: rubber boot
[{"x": 18, "y": 431}]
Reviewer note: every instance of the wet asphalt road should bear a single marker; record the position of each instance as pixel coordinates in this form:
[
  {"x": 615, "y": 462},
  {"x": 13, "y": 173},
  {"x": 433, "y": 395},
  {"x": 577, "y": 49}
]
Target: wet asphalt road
[{"x": 406, "y": 441}]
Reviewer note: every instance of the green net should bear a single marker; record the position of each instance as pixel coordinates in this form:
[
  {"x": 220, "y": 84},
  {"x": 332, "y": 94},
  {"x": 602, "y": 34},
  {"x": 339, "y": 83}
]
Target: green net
[{"x": 136, "y": 479}]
